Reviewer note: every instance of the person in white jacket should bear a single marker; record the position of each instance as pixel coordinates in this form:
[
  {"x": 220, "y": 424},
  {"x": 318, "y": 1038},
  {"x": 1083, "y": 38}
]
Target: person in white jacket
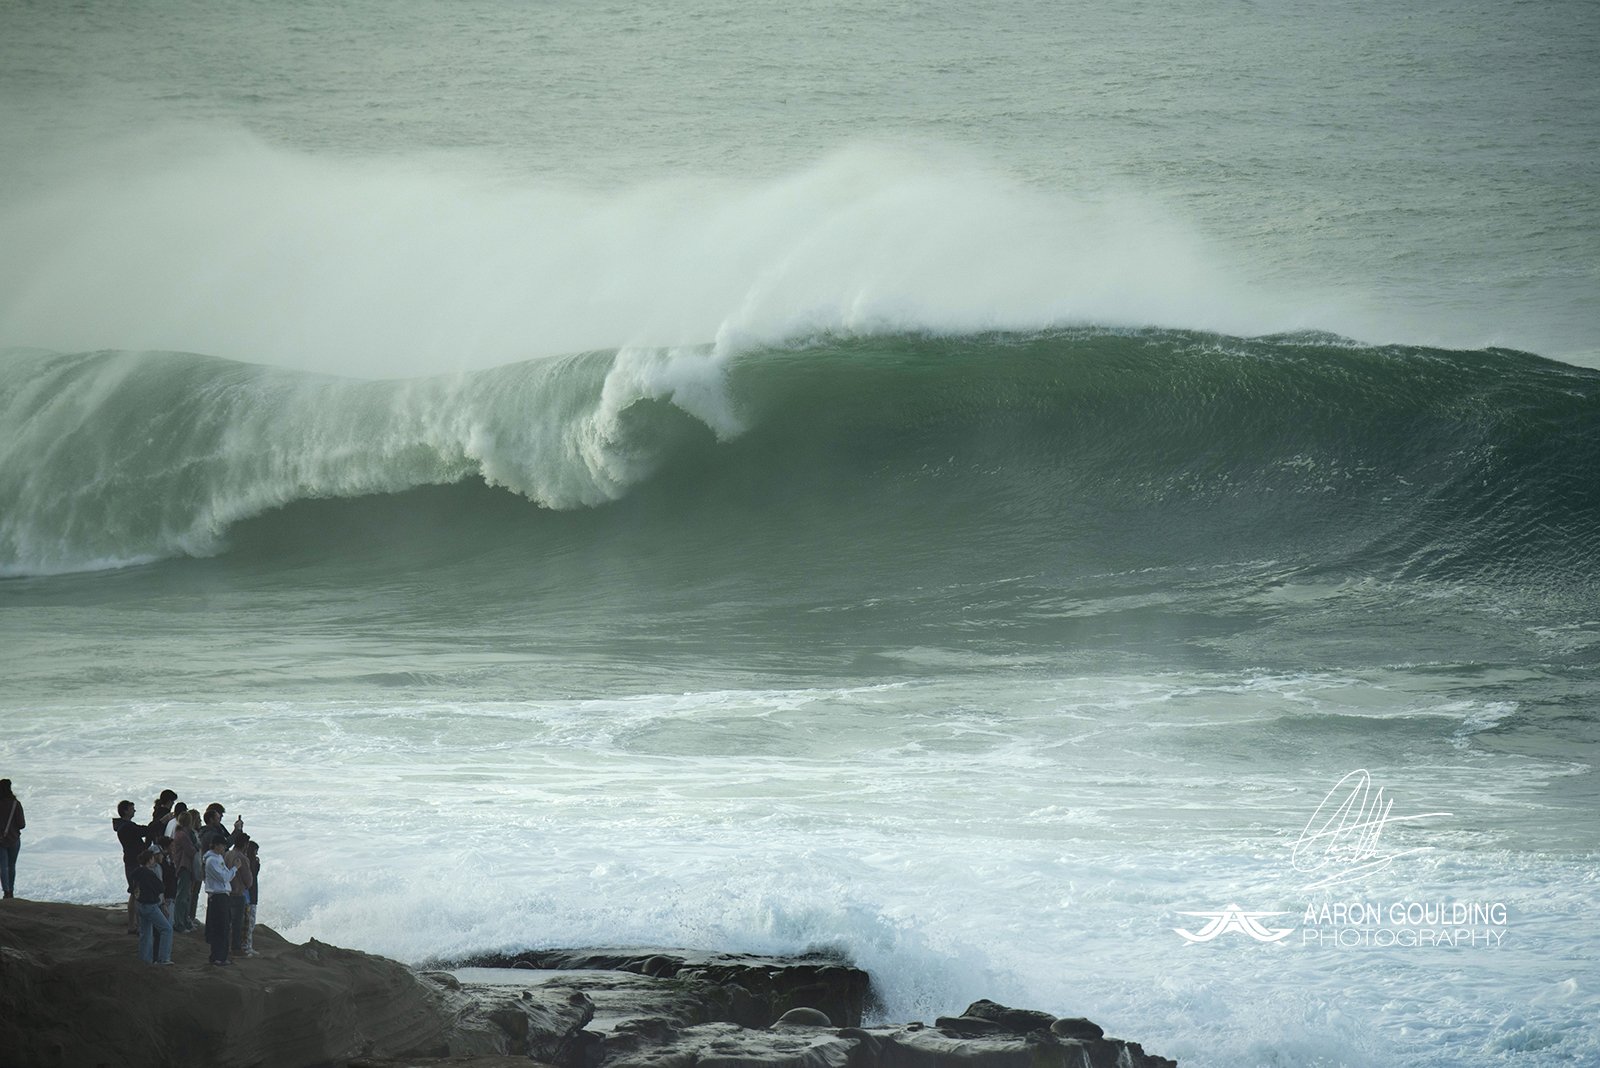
[{"x": 218, "y": 883}]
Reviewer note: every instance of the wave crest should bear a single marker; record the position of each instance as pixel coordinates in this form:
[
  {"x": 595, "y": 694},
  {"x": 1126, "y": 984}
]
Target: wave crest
[
  {"x": 1120, "y": 445},
  {"x": 115, "y": 458}
]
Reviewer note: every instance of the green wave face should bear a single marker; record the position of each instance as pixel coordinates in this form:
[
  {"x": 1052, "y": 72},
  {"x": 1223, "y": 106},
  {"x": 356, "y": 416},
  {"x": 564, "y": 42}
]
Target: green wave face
[{"x": 925, "y": 477}]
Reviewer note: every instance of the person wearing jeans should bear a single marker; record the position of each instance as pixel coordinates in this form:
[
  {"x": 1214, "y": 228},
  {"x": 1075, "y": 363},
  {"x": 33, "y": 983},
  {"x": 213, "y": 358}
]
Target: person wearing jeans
[
  {"x": 155, "y": 930},
  {"x": 11, "y": 824}
]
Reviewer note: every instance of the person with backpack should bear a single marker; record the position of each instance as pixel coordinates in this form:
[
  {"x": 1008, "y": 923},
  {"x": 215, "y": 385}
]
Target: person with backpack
[{"x": 11, "y": 824}]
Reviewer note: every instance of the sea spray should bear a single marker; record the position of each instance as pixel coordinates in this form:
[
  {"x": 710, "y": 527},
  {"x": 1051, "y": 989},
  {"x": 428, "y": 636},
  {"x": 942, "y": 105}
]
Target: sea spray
[{"x": 212, "y": 241}]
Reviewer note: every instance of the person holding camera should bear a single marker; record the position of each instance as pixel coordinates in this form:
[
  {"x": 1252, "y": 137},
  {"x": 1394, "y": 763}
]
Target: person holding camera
[{"x": 219, "y": 900}]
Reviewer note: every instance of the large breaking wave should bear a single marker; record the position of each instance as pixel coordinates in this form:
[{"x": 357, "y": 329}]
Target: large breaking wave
[{"x": 1064, "y": 446}]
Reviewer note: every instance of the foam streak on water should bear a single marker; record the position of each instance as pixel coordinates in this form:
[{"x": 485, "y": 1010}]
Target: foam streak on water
[{"x": 1035, "y": 843}]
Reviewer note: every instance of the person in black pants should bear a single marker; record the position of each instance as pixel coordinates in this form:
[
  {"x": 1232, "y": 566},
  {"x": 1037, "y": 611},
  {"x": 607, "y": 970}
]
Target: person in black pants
[
  {"x": 218, "y": 881},
  {"x": 132, "y": 837},
  {"x": 11, "y": 824}
]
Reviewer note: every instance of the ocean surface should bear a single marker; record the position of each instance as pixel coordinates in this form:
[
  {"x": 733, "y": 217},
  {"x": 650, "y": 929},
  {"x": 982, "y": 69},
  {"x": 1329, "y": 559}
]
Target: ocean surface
[{"x": 982, "y": 490}]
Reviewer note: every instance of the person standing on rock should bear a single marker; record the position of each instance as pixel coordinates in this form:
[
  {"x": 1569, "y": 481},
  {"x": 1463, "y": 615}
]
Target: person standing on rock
[
  {"x": 239, "y": 892},
  {"x": 248, "y": 945},
  {"x": 169, "y": 877},
  {"x": 131, "y": 835},
  {"x": 197, "y": 876},
  {"x": 218, "y": 883},
  {"x": 11, "y": 824},
  {"x": 186, "y": 857},
  {"x": 155, "y": 930}
]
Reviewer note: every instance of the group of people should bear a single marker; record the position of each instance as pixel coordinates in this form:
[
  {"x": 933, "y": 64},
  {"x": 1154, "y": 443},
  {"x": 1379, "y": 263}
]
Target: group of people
[{"x": 175, "y": 857}]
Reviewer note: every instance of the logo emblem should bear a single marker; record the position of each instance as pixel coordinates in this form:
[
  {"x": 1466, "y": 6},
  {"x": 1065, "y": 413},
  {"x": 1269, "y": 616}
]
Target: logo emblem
[{"x": 1234, "y": 919}]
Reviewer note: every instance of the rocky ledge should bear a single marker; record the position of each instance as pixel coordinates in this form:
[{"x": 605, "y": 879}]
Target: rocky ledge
[{"x": 72, "y": 993}]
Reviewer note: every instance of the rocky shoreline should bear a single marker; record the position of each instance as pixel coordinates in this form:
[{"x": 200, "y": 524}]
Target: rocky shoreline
[{"x": 72, "y": 994}]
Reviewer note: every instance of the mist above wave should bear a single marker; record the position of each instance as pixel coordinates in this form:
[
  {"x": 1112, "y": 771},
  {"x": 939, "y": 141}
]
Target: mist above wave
[{"x": 213, "y": 241}]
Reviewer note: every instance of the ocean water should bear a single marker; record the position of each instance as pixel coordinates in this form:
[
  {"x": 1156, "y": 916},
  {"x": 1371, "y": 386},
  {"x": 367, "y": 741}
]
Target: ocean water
[{"x": 969, "y": 489}]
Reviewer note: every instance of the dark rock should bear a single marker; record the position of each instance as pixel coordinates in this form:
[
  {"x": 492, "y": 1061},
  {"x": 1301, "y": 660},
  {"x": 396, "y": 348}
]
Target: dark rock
[
  {"x": 444, "y": 979},
  {"x": 659, "y": 966},
  {"x": 1017, "y": 1021},
  {"x": 970, "y": 1026},
  {"x": 73, "y": 993},
  {"x": 319, "y": 1005},
  {"x": 837, "y": 989},
  {"x": 908, "y": 1048},
  {"x": 761, "y": 989},
  {"x": 634, "y": 1037},
  {"x": 1076, "y": 1027},
  {"x": 546, "y": 1024}
]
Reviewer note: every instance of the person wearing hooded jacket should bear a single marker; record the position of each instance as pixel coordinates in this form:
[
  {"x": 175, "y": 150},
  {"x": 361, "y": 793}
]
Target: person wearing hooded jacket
[{"x": 11, "y": 825}]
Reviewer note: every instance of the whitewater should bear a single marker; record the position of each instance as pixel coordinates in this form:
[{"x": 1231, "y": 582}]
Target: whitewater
[{"x": 955, "y": 489}]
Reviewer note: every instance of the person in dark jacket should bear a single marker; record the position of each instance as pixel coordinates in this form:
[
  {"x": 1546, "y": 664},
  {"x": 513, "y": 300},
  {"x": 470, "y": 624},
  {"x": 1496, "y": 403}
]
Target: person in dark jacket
[
  {"x": 213, "y": 828},
  {"x": 160, "y": 813},
  {"x": 155, "y": 930},
  {"x": 11, "y": 824},
  {"x": 132, "y": 837},
  {"x": 169, "y": 875}
]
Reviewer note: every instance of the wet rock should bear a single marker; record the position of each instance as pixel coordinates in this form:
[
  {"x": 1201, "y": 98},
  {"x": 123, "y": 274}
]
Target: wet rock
[
  {"x": 544, "y": 1023},
  {"x": 907, "y": 1048},
  {"x": 1017, "y": 1021},
  {"x": 969, "y": 1026},
  {"x": 749, "y": 990},
  {"x": 73, "y": 993},
  {"x": 724, "y": 1045},
  {"x": 1077, "y": 1027},
  {"x": 319, "y": 1005}
]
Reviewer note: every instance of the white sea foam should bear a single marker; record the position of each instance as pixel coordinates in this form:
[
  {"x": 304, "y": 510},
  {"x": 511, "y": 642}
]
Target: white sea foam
[{"x": 1032, "y": 841}]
